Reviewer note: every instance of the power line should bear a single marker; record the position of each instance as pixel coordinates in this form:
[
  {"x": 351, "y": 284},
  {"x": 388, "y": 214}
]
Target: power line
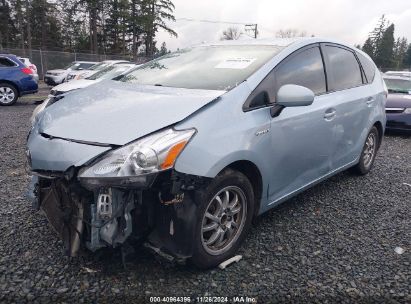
[
  {"x": 248, "y": 27},
  {"x": 210, "y": 21}
]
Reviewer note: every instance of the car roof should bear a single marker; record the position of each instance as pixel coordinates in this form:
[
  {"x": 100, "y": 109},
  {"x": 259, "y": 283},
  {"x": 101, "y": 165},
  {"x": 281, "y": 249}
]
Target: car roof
[
  {"x": 116, "y": 61},
  {"x": 86, "y": 62},
  {"x": 5, "y": 55},
  {"x": 396, "y": 77},
  {"x": 398, "y": 72}
]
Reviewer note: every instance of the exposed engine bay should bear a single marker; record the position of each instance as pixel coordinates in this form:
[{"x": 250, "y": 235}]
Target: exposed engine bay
[{"x": 164, "y": 214}]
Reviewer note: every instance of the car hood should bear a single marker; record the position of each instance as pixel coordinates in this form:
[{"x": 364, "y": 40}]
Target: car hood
[
  {"x": 398, "y": 101},
  {"x": 73, "y": 85},
  {"x": 116, "y": 113},
  {"x": 80, "y": 72}
]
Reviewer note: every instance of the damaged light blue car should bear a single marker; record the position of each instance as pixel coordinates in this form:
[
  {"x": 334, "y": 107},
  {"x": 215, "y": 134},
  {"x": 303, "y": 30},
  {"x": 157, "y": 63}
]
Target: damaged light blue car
[{"x": 185, "y": 150}]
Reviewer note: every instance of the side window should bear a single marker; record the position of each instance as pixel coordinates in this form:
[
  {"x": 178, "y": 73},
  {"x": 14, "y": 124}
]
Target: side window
[
  {"x": 304, "y": 68},
  {"x": 343, "y": 70},
  {"x": 368, "y": 67},
  {"x": 4, "y": 63}
]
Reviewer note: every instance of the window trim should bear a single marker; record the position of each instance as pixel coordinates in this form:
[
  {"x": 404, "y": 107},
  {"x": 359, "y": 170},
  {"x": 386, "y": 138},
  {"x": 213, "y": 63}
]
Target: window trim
[
  {"x": 246, "y": 104},
  {"x": 328, "y": 64},
  {"x": 362, "y": 67}
]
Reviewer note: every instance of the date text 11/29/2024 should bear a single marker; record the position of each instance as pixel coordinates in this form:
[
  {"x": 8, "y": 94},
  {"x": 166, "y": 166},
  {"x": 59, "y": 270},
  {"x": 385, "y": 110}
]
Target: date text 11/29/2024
[{"x": 205, "y": 299}]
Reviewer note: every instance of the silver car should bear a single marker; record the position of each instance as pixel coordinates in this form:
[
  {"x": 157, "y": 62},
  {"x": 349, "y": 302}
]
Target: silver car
[{"x": 184, "y": 151}]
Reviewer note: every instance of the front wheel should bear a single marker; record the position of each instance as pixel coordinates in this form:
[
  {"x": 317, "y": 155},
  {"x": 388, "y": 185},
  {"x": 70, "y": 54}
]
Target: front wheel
[
  {"x": 226, "y": 209},
  {"x": 8, "y": 94},
  {"x": 369, "y": 152}
]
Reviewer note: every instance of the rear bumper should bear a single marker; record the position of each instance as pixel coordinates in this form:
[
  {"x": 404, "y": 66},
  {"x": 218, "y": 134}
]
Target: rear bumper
[{"x": 28, "y": 86}]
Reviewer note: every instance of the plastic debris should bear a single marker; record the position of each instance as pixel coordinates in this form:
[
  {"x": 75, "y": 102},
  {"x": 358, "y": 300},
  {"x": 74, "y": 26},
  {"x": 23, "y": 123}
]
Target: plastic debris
[
  {"x": 89, "y": 270},
  {"x": 224, "y": 264},
  {"x": 406, "y": 184},
  {"x": 399, "y": 250}
]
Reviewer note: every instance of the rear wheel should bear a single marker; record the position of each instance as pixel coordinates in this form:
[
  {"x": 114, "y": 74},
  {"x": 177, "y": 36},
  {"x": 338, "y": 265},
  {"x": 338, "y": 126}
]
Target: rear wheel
[
  {"x": 224, "y": 217},
  {"x": 8, "y": 94},
  {"x": 369, "y": 152}
]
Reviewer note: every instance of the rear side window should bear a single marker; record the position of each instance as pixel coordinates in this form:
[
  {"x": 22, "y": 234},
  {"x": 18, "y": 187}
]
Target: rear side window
[
  {"x": 343, "y": 70},
  {"x": 304, "y": 68},
  {"x": 5, "y": 62},
  {"x": 368, "y": 67}
]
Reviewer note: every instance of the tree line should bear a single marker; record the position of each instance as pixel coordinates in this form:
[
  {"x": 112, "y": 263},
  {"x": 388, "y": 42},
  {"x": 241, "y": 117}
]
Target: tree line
[
  {"x": 386, "y": 51},
  {"x": 127, "y": 27}
]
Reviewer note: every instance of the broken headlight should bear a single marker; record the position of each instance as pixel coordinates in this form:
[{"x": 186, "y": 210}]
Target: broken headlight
[{"x": 135, "y": 161}]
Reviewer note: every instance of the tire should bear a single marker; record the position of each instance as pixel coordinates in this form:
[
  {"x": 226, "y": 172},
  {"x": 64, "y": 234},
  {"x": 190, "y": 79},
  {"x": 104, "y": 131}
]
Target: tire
[
  {"x": 8, "y": 94},
  {"x": 368, "y": 153},
  {"x": 230, "y": 218}
]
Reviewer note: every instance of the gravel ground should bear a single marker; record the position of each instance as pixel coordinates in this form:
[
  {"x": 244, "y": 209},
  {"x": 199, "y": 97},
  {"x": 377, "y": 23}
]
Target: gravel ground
[{"x": 334, "y": 243}]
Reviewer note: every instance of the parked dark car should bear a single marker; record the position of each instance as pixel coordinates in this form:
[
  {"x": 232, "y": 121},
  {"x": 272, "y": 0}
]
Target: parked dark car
[
  {"x": 398, "y": 107},
  {"x": 16, "y": 79}
]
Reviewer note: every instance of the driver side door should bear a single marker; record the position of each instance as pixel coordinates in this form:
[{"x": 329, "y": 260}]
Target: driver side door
[{"x": 301, "y": 137}]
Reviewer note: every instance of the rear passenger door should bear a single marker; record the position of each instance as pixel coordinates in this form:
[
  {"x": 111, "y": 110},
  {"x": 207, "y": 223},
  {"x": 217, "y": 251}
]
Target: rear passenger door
[{"x": 350, "y": 101}]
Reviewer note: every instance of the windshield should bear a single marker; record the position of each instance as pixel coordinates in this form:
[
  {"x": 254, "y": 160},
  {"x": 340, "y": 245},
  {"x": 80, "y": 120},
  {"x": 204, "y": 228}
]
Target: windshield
[
  {"x": 207, "y": 67},
  {"x": 398, "y": 85},
  {"x": 99, "y": 66},
  {"x": 109, "y": 72}
]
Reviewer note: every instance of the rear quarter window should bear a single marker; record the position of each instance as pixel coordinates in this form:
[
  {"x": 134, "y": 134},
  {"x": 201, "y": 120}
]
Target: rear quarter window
[
  {"x": 5, "y": 63},
  {"x": 368, "y": 67}
]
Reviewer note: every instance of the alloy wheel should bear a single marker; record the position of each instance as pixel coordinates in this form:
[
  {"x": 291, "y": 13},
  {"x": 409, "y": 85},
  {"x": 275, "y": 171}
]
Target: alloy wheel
[
  {"x": 7, "y": 95},
  {"x": 370, "y": 148},
  {"x": 223, "y": 220}
]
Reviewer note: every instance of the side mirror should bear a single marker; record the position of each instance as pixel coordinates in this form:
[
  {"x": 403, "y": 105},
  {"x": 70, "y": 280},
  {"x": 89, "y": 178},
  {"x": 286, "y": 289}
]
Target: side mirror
[{"x": 291, "y": 95}]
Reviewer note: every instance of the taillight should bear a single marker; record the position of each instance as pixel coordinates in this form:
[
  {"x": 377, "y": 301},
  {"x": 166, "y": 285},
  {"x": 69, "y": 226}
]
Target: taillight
[{"x": 27, "y": 71}]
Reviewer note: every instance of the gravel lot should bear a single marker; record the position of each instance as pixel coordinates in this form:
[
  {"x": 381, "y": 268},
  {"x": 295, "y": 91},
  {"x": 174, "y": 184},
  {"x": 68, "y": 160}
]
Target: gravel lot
[{"x": 334, "y": 243}]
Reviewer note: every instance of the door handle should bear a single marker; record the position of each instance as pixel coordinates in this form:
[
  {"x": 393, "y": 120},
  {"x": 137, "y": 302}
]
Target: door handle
[
  {"x": 330, "y": 114},
  {"x": 369, "y": 100}
]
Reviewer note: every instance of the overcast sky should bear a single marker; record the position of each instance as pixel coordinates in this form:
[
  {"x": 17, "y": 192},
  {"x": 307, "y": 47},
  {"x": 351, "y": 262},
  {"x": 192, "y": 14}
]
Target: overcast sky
[{"x": 346, "y": 20}]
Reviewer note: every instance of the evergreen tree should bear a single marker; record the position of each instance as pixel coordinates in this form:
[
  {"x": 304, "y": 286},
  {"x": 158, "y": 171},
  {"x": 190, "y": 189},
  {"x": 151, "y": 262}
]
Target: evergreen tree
[
  {"x": 407, "y": 58},
  {"x": 377, "y": 34},
  {"x": 384, "y": 55},
  {"x": 98, "y": 26},
  {"x": 7, "y": 24},
  {"x": 368, "y": 47},
  {"x": 400, "y": 50},
  {"x": 155, "y": 13}
]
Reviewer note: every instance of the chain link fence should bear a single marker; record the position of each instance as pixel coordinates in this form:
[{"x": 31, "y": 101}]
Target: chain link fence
[{"x": 48, "y": 60}]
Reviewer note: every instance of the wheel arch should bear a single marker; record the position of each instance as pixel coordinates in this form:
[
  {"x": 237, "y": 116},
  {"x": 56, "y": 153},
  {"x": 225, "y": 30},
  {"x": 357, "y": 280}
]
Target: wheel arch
[
  {"x": 252, "y": 172},
  {"x": 12, "y": 84},
  {"x": 380, "y": 129}
]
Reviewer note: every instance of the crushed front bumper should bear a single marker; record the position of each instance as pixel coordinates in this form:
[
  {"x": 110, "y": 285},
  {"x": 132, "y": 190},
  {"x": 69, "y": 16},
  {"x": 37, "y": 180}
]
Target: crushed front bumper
[{"x": 165, "y": 214}]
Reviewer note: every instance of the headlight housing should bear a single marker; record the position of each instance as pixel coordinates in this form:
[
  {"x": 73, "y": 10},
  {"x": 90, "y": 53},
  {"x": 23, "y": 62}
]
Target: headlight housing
[
  {"x": 133, "y": 162},
  {"x": 407, "y": 111}
]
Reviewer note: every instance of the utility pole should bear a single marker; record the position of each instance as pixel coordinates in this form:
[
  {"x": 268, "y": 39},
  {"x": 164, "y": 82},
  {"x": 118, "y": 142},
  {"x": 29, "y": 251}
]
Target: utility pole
[{"x": 252, "y": 28}]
